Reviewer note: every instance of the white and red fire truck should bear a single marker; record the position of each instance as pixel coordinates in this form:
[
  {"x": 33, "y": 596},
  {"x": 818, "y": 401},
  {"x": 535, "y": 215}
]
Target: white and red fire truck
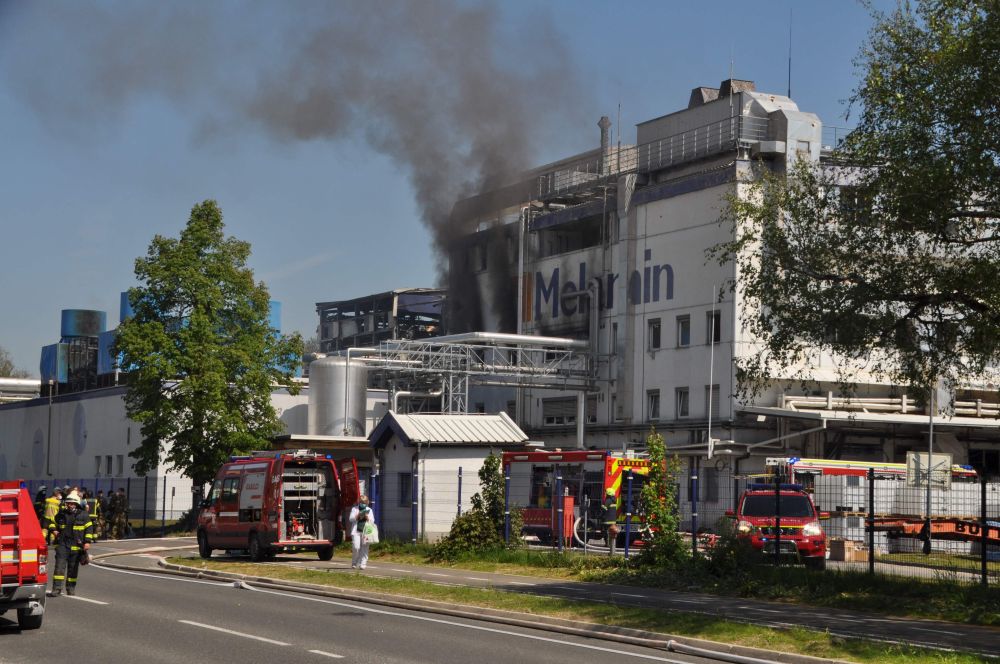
[
  {"x": 585, "y": 477},
  {"x": 278, "y": 501},
  {"x": 23, "y": 556}
]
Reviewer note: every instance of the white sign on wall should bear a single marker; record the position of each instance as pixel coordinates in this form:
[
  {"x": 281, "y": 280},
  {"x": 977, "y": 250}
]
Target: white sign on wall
[{"x": 937, "y": 468}]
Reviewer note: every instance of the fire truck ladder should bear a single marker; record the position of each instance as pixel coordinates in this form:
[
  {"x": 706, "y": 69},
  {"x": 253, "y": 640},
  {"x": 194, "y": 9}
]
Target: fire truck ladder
[{"x": 10, "y": 567}]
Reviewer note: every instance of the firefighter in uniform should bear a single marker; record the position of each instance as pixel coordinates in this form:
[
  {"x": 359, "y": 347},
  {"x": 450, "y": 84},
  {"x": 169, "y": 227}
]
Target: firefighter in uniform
[
  {"x": 118, "y": 504},
  {"x": 74, "y": 532},
  {"x": 52, "y": 505},
  {"x": 609, "y": 510}
]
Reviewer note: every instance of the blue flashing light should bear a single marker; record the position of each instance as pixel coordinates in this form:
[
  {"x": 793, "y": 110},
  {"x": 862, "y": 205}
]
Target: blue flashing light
[
  {"x": 24, "y": 485},
  {"x": 329, "y": 456},
  {"x": 966, "y": 467},
  {"x": 793, "y": 460},
  {"x": 770, "y": 487}
]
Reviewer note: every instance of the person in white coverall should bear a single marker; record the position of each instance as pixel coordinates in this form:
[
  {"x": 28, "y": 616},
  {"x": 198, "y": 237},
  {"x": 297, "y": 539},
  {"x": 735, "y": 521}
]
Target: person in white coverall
[{"x": 361, "y": 514}]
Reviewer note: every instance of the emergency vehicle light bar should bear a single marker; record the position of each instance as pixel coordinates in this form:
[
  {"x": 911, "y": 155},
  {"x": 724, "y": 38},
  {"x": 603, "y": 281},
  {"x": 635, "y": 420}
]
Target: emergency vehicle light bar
[{"x": 783, "y": 487}]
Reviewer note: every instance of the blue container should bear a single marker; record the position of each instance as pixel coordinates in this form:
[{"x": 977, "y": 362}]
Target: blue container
[
  {"x": 83, "y": 323},
  {"x": 53, "y": 363},
  {"x": 125, "y": 310},
  {"x": 275, "y": 315},
  {"x": 106, "y": 360}
]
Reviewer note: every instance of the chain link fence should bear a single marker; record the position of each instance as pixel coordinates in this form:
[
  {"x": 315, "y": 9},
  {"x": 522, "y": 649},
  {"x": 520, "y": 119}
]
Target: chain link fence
[{"x": 154, "y": 502}]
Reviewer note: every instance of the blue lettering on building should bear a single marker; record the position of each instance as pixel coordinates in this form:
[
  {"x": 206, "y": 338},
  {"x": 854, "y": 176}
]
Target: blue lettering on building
[{"x": 554, "y": 297}]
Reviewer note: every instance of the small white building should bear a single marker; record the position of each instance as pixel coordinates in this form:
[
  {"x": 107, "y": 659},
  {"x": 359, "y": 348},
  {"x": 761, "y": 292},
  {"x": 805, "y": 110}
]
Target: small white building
[{"x": 429, "y": 468}]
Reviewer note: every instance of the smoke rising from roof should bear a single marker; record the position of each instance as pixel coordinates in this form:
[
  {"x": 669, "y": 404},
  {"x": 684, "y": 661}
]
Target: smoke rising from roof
[{"x": 446, "y": 89}]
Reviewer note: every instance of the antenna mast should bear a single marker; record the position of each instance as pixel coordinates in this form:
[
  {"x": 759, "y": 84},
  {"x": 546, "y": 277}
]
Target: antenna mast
[{"x": 789, "y": 52}]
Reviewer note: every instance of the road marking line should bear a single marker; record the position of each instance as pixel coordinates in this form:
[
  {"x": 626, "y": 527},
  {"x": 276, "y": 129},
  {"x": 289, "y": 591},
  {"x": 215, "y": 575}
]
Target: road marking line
[
  {"x": 533, "y": 637},
  {"x": 405, "y": 571},
  {"x": 521, "y": 583},
  {"x": 632, "y": 595},
  {"x": 476, "y": 578},
  {"x": 434, "y": 574},
  {"x": 229, "y": 631},
  {"x": 326, "y": 654},
  {"x": 937, "y": 631},
  {"x": 84, "y": 599},
  {"x": 572, "y": 590}
]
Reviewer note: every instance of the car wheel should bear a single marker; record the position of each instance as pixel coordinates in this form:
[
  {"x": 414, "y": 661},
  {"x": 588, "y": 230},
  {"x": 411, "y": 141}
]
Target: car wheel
[
  {"x": 204, "y": 550},
  {"x": 326, "y": 553},
  {"x": 255, "y": 549},
  {"x": 27, "y": 621}
]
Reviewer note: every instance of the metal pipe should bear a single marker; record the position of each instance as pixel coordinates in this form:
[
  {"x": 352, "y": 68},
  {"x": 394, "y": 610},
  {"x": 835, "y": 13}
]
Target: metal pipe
[
  {"x": 411, "y": 393},
  {"x": 347, "y": 384},
  {"x": 581, "y": 417},
  {"x": 503, "y": 337}
]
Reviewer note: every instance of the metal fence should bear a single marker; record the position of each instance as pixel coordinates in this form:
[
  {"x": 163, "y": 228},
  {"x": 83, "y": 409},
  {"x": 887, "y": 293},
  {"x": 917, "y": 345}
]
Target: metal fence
[
  {"x": 154, "y": 502},
  {"x": 878, "y": 525}
]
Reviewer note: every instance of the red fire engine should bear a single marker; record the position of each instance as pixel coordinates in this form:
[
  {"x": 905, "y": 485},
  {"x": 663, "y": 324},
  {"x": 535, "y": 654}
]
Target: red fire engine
[
  {"x": 23, "y": 556},
  {"x": 586, "y": 476},
  {"x": 276, "y": 501}
]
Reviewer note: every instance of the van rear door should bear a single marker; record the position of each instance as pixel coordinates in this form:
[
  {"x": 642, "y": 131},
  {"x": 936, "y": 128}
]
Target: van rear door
[{"x": 350, "y": 492}]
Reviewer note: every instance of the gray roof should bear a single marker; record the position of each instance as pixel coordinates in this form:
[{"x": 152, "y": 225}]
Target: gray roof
[{"x": 445, "y": 429}]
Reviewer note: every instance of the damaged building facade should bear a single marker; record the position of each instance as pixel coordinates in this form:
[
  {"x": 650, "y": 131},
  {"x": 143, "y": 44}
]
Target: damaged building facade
[{"x": 610, "y": 246}]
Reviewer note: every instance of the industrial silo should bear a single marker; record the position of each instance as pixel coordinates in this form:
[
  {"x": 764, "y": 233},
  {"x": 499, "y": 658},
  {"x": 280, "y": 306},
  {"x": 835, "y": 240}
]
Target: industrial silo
[{"x": 337, "y": 397}]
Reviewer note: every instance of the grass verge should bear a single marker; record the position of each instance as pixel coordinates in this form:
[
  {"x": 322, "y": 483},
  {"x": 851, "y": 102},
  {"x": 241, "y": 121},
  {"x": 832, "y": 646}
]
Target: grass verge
[{"x": 818, "y": 644}]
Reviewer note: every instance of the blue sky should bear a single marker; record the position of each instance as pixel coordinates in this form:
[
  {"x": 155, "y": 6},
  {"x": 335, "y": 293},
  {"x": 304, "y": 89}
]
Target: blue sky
[{"x": 119, "y": 117}]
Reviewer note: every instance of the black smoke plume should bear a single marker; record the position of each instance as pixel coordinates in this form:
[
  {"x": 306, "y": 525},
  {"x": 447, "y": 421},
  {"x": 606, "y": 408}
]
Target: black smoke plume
[{"x": 457, "y": 96}]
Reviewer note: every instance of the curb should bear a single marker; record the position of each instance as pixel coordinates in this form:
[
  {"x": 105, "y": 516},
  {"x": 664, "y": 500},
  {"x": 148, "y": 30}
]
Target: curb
[{"x": 624, "y": 635}]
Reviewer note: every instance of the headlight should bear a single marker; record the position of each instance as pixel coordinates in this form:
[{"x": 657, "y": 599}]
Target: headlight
[
  {"x": 744, "y": 528},
  {"x": 812, "y": 529}
]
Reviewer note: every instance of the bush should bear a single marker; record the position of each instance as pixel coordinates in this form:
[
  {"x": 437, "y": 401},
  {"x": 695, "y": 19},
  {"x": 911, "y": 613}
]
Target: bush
[{"x": 472, "y": 532}]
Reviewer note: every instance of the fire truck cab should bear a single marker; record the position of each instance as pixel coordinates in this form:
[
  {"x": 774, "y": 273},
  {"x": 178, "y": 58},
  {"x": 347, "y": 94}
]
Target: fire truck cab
[
  {"x": 23, "y": 556},
  {"x": 270, "y": 502},
  {"x": 765, "y": 508}
]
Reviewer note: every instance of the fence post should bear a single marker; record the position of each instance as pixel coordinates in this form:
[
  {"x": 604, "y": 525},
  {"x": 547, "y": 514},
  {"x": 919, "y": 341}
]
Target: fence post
[
  {"x": 506, "y": 504},
  {"x": 871, "y": 521},
  {"x": 694, "y": 505},
  {"x": 628, "y": 511},
  {"x": 145, "y": 504},
  {"x": 163, "y": 509},
  {"x": 983, "y": 532},
  {"x": 413, "y": 504},
  {"x": 777, "y": 520},
  {"x": 559, "y": 510},
  {"x": 459, "y": 491}
]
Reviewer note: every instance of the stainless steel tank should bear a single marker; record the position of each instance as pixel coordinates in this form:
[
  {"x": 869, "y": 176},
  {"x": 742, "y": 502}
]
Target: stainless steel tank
[{"x": 337, "y": 397}]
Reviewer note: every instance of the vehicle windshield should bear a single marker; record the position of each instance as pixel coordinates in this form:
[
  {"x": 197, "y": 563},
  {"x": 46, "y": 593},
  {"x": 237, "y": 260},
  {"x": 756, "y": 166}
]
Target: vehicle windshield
[{"x": 791, "y": 506}]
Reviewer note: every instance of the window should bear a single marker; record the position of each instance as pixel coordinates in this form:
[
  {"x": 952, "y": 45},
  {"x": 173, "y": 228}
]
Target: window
[
  {"x": 712, "y": 402},
  {"x": 511, "y": 409},
  {"x": 713, "y": 321},
  {"x": 405, "y": 490},
  {"x": 682, "y": 400},
  {"x": 614, "y": 339},
  {"x": 480, "y": 407},
  {"x": 615, "y": 413},
  {"x": 107, "y": 467},
  {"x": 709, "y": 480},
  {"x": 683, "y": 331},
  {"x": 230, "y": 489},
  {"x": 97, "y": 466},
  {"x": 119, "y": 465},
  {"x": 652, "y": 404},
  {"x": 653, "y": 334},
  {"x": 559, "y": 411}
]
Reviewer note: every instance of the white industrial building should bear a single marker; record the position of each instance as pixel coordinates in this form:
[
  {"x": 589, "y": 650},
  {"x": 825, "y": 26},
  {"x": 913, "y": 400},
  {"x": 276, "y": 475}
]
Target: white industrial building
[{"x": 610, "y": 246}]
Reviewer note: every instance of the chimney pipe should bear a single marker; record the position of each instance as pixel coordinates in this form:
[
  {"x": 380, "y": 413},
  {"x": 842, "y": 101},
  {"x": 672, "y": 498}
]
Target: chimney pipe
[{"x": 605, "y": 124}]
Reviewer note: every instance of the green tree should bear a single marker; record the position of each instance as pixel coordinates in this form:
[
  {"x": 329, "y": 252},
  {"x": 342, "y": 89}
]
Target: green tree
[
  {"x": 891, "y": 258},
  {"x": 200, "y": 355},
  {"x": 658, "y": 503},
  {"x": 7, "y": 368}
]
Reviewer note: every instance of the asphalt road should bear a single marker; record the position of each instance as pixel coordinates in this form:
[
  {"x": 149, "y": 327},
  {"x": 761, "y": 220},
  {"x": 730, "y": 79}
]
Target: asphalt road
[{"x": 122, "y": 616}]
